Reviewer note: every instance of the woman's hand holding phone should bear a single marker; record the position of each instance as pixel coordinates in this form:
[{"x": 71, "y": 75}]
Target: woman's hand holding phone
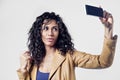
[
  {"x": 105, "y": 17},
  {"x": 107, "y": 21}
]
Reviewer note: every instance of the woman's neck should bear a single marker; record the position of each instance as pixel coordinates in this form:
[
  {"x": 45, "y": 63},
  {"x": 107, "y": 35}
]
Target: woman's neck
[{"x": 50, "y": 50}]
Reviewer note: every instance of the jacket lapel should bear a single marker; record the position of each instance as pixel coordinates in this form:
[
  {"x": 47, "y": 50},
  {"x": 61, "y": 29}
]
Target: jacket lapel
[
  {"x": 57, "y": 61},
  {"x": 34, "y": 73}
]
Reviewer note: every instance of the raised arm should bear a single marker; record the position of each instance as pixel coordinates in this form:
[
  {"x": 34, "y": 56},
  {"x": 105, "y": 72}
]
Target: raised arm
[{"x": 106, "y": 56}]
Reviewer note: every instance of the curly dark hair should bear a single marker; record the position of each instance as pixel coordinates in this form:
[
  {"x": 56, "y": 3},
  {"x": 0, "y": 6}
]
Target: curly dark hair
[{"x": 35, "y": 43}]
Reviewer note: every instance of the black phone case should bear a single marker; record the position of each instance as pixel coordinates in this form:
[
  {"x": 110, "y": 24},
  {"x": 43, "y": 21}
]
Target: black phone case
[{"x": 95, "y": 11}]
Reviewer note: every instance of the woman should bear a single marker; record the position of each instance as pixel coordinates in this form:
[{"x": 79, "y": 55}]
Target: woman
[{"x": 51, "y": 54}]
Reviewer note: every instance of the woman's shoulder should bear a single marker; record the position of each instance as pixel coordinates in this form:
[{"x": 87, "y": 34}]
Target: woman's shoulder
[{"x": 75, "y": 52}]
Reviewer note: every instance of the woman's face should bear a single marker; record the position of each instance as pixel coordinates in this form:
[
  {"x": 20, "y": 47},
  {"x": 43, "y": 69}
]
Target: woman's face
[{"x": 49, "y": 32}]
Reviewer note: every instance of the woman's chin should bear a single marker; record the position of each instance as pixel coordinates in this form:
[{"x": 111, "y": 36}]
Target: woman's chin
[{"x": 50, "y": 45}]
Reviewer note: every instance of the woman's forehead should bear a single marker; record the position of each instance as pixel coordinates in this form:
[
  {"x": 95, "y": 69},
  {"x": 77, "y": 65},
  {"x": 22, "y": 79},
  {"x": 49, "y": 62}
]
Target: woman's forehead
[{"x": 48, "y": 21}]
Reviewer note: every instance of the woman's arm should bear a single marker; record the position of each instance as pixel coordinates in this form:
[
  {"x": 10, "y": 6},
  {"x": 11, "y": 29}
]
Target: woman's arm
[{"x": 105, "y": 59}]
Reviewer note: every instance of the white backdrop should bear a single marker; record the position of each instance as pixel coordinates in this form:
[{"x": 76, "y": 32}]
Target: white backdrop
[{"x": 17, "y": 16}]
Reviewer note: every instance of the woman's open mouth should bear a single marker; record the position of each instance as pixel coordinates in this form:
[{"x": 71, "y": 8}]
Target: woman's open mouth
[{"x": 50, "y": 39}]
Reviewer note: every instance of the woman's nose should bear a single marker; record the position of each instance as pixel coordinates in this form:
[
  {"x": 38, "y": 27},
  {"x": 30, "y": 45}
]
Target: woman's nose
[{"x": 50, "y": 32}]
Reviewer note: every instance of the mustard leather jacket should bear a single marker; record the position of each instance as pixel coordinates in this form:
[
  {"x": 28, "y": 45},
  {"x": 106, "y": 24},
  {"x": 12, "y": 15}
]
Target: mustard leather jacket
[{"x": 63, "y": 67}]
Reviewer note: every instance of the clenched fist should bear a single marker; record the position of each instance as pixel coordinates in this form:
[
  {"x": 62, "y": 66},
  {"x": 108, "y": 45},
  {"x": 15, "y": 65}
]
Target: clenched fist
[{"x": 25, "y": 60}]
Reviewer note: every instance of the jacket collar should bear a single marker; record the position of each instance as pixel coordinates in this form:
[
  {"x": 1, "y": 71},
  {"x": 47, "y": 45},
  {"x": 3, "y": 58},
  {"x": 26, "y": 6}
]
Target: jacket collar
[{"x": 57, "y": 61}]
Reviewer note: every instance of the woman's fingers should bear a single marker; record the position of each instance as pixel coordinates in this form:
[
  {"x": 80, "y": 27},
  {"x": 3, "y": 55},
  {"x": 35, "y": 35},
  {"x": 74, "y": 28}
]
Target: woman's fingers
[
  {"x": 25, "y": 59},
  {"x": 110, "y": 19},
  {"x": 107, "y": 19}
]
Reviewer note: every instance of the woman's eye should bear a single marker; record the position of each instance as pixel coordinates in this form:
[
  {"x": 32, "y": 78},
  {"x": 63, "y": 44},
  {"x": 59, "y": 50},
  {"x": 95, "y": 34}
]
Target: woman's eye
[
  {"x": 55, "y": 29},
  {"x": 45, "y": 28}
]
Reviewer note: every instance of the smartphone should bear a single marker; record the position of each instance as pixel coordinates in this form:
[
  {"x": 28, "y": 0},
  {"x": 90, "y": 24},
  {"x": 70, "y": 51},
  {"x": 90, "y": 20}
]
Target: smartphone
[{"x": 94, "y": 11}]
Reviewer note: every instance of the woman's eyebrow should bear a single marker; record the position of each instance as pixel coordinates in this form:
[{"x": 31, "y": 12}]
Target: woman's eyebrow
[{"x": 55, "y": 26}]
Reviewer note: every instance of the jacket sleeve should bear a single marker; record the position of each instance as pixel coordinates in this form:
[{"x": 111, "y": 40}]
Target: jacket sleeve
[
  {"x": 105, "y": 59},
  {"x": 23, "y": 76}
]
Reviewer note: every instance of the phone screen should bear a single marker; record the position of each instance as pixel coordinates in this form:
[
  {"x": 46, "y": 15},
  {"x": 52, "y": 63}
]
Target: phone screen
[{"x": 94, "y": 11}]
